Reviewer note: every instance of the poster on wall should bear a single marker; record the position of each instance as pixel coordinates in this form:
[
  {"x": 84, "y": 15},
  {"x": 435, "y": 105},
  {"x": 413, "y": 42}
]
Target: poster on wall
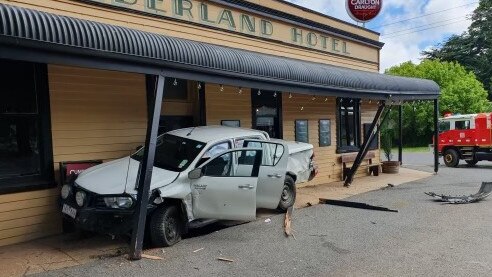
[
  {"x": 301, "y": 130},
  {"x": 324, "y": 132},
  {"x": 231, "y": 123}
]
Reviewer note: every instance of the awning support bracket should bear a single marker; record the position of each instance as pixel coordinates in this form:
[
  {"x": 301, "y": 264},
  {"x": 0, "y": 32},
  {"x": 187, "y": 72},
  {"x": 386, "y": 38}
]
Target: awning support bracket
[
  {"x": 365, "y": 146},
  {"x": 145, "y": 169}
]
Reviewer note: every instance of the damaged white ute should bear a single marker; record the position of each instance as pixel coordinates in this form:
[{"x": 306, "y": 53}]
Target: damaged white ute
[{"x": 199, "y": 173}]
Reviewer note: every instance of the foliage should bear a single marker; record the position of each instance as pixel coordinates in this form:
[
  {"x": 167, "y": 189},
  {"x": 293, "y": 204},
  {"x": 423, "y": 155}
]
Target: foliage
[
  {"x": 472, "y": 49},
  {"x": 387, "y": 137},
  {"x": 461, "y": 93}
]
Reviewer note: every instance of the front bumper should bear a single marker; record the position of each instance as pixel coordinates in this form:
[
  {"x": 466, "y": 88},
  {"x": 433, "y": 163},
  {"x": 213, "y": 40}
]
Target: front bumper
[{"x": 98, "y": 219}]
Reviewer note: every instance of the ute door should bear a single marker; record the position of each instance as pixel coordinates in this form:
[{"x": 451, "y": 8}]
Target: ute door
[
  {"x": 272, "y": 171},
  {"x": 225, "y": 186}
]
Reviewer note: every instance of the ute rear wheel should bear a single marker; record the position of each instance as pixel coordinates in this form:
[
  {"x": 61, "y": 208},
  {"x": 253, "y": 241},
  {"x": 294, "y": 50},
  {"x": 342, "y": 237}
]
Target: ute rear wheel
[
  {"x": 451, "y": 158},
  {"x": 288, "y": 196},
  {"x": 165, "y": 226}
]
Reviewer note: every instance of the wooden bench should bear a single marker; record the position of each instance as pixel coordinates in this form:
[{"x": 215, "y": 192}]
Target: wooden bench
[{"x": 373, "y": 168}]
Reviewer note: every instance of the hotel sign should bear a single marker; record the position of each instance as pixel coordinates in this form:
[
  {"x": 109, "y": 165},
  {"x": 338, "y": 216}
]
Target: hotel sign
[
  {"x": 363, "y": 10},
  {"x": 209, "y": 14}
]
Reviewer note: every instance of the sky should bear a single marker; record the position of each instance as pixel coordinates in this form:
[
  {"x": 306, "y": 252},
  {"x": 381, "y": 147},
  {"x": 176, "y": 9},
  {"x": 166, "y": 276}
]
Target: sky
[{"x": 404, "y": 41}]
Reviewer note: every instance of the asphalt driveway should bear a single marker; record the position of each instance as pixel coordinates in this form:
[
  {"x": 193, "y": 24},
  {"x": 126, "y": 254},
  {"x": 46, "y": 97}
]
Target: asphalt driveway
[{"x": 425, "y": 238}]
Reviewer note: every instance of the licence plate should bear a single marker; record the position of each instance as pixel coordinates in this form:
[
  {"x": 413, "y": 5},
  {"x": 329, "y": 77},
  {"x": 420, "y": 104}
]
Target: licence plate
[{"x": 72, "y": 212}]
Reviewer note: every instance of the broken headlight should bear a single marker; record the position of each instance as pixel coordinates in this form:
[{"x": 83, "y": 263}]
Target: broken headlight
[{"x": 120, "y": 202}]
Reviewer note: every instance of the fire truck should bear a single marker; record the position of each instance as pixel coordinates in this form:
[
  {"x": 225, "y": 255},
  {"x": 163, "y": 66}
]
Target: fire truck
[{"x": 465, "y": 137}]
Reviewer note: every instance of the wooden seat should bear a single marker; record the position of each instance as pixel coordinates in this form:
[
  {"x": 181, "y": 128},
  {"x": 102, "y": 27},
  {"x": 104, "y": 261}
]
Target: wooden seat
[{"x": 373, "y": 168}]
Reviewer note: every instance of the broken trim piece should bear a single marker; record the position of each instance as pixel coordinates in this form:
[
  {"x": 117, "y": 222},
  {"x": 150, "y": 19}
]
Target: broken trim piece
[
  {"x": 484, "y": 191},
  {"x": 356, "y": 205}
]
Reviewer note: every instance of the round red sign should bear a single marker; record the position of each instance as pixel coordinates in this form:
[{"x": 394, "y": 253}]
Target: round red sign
[{"x": 363, "y": 10}]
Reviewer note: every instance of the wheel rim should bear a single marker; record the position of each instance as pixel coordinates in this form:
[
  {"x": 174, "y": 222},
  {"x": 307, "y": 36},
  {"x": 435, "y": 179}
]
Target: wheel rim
[
  {"x": 449, "y": 158},
  {"x": 285, "y": 193},
  {"x": 170, "y": 228}
]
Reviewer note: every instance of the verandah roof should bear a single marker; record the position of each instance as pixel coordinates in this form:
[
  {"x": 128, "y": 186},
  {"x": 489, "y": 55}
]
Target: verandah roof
[{"x": 28, "y": 34}]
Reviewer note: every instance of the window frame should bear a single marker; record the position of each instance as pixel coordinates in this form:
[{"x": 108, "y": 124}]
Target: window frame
[
  {"x": 45, "y": 179},
  {"x": 357, "y": 124}
]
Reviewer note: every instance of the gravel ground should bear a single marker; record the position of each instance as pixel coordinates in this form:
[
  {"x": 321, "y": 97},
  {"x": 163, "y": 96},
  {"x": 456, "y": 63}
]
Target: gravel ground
[{"x": 425, "y": 238}]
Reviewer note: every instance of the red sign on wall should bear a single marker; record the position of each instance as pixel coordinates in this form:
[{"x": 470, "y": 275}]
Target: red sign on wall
[{"x": 363, "y": 10}]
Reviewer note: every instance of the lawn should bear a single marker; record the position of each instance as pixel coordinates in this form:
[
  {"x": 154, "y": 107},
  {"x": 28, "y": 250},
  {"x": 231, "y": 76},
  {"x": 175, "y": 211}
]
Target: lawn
[{"x": 413, "y": 149}]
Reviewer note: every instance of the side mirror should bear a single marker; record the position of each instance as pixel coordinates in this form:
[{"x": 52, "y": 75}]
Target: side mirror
[
  {"x": 195, "y": 174},
  {"x": 138, "y": 148}
]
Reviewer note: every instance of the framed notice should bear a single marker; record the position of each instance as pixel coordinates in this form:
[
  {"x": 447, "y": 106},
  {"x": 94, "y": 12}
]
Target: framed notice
[
  {"x": 231, "y": 123},
  {"x": 324, "y": 132},
  {"x": 301, "y": 130}
]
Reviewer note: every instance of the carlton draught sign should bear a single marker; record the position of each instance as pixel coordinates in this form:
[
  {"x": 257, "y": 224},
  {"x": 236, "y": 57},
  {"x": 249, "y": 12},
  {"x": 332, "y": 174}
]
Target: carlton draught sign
[{"x": 363, "y": 10}]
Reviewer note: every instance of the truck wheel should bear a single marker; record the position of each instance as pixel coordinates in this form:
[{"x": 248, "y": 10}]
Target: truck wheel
[
  {"x": 165, "y": 226},
  {"x": 288, "y": 197},
  {"x": 451, "y": 158},
  {"x": 471, "y": 162}
]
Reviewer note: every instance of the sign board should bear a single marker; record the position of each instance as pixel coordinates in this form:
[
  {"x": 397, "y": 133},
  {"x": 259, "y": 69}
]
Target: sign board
[
  {"x": 75, "y": 168},
  {"x": 302, "y": 131},
  {"x": 363, "y": 10},
  {"x": 212, "y": 14},
  {"x": 231, "y": 123},
  {"x": 324, "y": 132}
]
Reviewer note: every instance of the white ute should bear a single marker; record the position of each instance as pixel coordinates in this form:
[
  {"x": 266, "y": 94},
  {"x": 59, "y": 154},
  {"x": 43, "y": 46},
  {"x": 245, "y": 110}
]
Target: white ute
[{"x": 200, "y": 173}]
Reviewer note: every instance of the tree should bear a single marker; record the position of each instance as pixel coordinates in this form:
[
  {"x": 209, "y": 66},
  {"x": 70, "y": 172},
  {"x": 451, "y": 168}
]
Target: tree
[
  {"x": 461, "y": 92},
  {"x": 472, "y": 49}
]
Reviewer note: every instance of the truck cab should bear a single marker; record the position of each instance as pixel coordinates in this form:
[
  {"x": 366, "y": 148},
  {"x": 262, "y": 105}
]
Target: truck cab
[{"x": 465, "y": 137}]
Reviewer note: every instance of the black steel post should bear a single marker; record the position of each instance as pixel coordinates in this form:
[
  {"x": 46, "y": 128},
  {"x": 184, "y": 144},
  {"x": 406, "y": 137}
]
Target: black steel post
[
  {"x": 436, "y": 135},
  {"x": 365, "y": 146},
  {"x": 145, "y": 171},
  {"x": 400, "y": 130}
]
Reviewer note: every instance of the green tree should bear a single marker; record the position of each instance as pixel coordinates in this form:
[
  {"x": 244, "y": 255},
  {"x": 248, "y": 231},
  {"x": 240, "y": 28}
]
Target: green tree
[
  {"x": 472, "y": 49},
  {"x": 461, "y": 92}
]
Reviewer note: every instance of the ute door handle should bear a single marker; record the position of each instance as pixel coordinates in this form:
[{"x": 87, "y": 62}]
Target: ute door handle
[
  {"x": 275, "y": 175},
  {"x": 246, "y": 186}
]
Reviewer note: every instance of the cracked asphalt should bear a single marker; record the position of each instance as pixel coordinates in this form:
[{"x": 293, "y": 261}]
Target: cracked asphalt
[{"x": 425, "y": 238}]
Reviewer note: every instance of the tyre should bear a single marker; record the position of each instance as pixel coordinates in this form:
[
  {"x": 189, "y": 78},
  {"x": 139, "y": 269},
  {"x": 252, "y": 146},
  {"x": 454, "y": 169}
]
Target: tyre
[
  {"x": 471, "y": 162},
  {"x": 165, "y": 226},
  {"x": 451, "y": 158},
  {"x": 288, "y": 196}
]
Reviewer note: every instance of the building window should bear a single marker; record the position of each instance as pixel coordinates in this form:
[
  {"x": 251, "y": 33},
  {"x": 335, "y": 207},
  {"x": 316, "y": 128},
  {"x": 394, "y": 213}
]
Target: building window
[
  {"x": 348, "y": 123},
  {"x": 25, "y": 136}
]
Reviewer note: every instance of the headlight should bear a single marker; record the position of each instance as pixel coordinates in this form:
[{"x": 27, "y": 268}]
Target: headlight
[
  {"x": 80, "y": 198},
  {"x": 65, "y": 191},
  {"x": 123, "y": 202}
]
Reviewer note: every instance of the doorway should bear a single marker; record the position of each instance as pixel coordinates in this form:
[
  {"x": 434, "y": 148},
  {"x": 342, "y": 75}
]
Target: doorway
[{"x": 267, "y": 112}]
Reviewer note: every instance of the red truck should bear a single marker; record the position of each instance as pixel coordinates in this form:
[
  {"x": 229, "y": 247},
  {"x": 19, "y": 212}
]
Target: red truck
[{"x": 465, "y": 137}]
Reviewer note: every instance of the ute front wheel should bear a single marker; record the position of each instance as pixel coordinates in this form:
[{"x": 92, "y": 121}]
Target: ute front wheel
[
  {"x": 451, "y": 158},
  {"x": 165, "y": 226}
]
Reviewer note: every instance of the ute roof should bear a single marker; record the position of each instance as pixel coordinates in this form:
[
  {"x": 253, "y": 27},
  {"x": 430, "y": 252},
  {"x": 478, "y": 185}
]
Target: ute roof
[{"x": 213, "y": 133}]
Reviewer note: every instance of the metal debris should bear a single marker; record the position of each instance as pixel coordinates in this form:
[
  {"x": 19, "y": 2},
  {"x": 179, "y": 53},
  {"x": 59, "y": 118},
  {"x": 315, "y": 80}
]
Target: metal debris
[
  {"x": 355, "y": 205},
  {"x": 484, "y": 191},
  {"x": 198, "y": 250},
  {"x": 287, "y": 222},
  {"x": 225, "y": 260}
]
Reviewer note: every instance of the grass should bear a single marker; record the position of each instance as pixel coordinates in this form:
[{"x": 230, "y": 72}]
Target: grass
[{"x": 412, "y": 149}]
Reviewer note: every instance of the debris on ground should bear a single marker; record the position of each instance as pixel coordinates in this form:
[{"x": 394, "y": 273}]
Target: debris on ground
[
  {"x": 150, "y": 257},
  {"x": 356, "y": 205},
  {"x": 484, "y": 191},
  {"x": 268, "y": 220},
  {"x": 287, "y": 221},
  {"x": 308, "y": 204},
  {"x": 198, "y": 250},
  {"x": 225, "y": 260},
  {"x": 391, "y": 185}
]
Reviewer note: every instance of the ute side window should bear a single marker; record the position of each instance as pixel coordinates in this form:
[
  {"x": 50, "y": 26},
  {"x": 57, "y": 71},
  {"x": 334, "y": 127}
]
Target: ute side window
[
  {"x": 214, "y": 150},
  {"x": 462, "y": 125}
]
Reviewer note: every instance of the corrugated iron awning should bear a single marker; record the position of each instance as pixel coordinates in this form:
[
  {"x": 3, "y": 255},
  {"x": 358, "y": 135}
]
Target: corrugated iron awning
[{"x": 34, "y": 35}]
